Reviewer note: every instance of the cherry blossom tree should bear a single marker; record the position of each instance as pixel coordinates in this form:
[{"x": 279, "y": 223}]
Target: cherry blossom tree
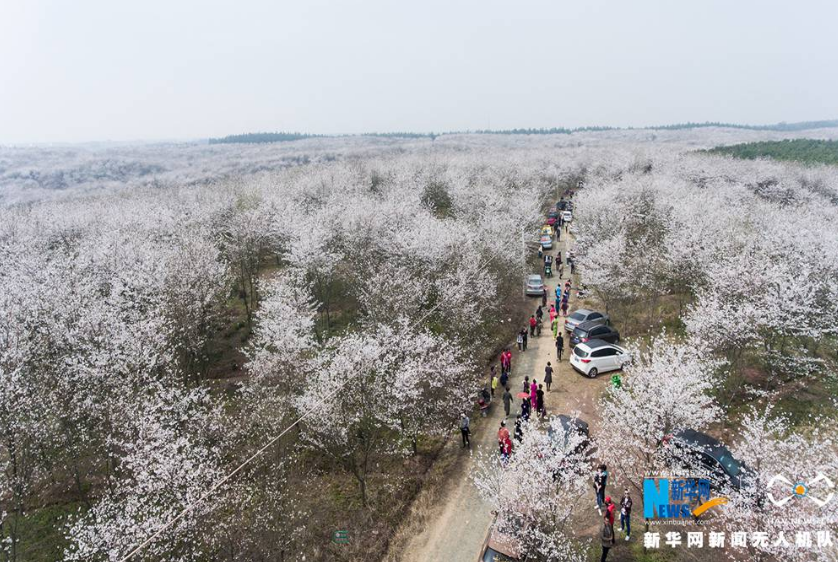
[
  {"x": 371, "y": 393},
  {"x": 536, "y": 494},
  {"x": 666, "y": 388}
]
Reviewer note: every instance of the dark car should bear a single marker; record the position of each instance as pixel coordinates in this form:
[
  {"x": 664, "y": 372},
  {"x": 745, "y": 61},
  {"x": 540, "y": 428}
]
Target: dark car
[
  {"x": 593, "y": 329},
  {"x": 500, "y": 547},
  {"x": 695, "y": 449},
  {"x": 569, "y": 426},
  {"x": 561, "y": 205}
]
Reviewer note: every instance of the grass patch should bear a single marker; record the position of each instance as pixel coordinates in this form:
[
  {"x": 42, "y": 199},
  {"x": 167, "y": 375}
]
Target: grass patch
[
  {"x": 41, "y": 532},
  {"x": 807, "y": 151}
]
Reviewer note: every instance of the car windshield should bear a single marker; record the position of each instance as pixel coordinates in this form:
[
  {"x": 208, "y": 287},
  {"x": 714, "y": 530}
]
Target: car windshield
[
  {"x": 577, "y": 316},
  {"x": 732, "y": 465},
  {"x": 579, "y": 352}
]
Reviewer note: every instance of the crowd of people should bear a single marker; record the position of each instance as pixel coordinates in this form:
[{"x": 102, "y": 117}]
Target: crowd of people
[
  {"x": 532, "y": 392},
  {"x": 532, "y": 395}
]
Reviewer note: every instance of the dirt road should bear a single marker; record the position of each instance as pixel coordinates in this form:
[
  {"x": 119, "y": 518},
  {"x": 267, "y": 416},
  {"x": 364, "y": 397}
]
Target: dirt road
[{"x": 458, "y": 524}]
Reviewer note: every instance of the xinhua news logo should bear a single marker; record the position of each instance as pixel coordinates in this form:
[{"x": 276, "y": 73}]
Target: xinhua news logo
[
  {"x": 667, "y": 498},
  {"x": 819, "y": 490}
]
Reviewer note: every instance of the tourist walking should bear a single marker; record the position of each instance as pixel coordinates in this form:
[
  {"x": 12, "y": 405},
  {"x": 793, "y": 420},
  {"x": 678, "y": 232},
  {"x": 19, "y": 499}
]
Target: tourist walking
[
  {"x": 607, "y": 536},
  {"x": 625, "y": 514},
  {"x": 503, "y": 433},
  {"x": 494, "y": 382},
  {"x": 464, "y": 429},
  {"x": 533, "y": 395},
  {"x": 504, "y": 379},
  {"x": 533, "y": 322},
  {"x": 548, "y": 375},
  {"x": 544, "y": 297},
  {"x": 524, "y": 336},
  {"x": 525, "y": 409},
  {"x": 520, "y": 340},
  {"x": 539, "y": 400},
  {"x": 519, "y": 431},
  {"x": 555, "y": 327},
  {"x": 600, "y": 481},
  {"x": 507, "y": 401},
  {"x": 506, "y": 449},
  {"x": 559, "y": 346}
]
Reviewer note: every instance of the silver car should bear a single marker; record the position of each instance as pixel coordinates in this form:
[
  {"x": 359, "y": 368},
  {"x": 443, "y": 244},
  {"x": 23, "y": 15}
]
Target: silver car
[
  {"x": 584, "y": 315},
  {"x": 535, "y": 286}
]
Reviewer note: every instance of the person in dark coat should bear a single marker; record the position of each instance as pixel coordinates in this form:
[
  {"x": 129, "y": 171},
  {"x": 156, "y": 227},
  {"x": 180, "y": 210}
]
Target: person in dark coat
[
  {"x": 525, "y": 409},
  {"x": 507, "y": 401},
  {"x": 559, "y": 347},
  {"x": 519, "y": 431},
  {"x": 548, "y": 375},
  {"x": 539, "y": 400}
]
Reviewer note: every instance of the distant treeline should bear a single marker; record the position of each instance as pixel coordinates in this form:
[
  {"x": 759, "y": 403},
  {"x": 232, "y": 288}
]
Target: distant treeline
[
  {"x": 801, "y": 126},
  {"x": 280, "y": 137},
  {"x": 808, "y": 151},
  {"x": 261, "y": 137}
]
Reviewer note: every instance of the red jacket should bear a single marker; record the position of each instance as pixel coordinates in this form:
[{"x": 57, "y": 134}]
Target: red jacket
[{"x": 609, "y": 512}]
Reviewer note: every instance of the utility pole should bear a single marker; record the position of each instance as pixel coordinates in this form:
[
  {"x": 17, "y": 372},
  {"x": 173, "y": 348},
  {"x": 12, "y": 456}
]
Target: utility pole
[{"x": 523, "y": 265}]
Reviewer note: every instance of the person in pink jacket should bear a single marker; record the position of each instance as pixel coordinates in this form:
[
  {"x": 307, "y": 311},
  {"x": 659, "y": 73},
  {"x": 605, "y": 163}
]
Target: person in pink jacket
[{"x": 533, "y": 394}]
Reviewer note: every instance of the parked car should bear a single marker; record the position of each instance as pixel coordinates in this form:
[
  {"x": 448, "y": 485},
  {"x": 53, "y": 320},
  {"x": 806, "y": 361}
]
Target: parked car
[
  {"x": 694, "y": 449},
  {"x": 584, "y": 315},
  {"x": 535, "y": 285},
  {"x": 596, "y": 356},
  {"x": 561, "y": 205},
  {"x": 500, "y": 547},
  {"x": 567, "y": 216},
  {"x": 593, "y": 330},
  {"x": 547, "y": 230},
  {"x": 547, "y": 242},
  {"x": 570, "y": 426}
]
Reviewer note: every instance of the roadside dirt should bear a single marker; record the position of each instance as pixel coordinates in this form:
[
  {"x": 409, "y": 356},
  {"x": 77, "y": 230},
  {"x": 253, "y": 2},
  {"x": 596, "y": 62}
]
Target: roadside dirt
[{"x": 456, "y": 521}]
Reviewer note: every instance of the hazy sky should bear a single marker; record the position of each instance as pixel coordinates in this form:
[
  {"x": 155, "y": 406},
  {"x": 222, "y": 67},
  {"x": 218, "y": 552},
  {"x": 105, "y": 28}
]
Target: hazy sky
[{"x": 80, "y": 70}]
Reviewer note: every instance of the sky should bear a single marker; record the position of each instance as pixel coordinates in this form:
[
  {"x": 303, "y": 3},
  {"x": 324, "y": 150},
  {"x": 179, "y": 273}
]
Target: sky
[{"x": 119, "y": 70}]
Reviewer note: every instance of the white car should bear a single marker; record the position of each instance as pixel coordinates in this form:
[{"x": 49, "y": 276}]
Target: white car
[
  {"x": 596, "y": 356},
  {"x": 567, "y": 216}
]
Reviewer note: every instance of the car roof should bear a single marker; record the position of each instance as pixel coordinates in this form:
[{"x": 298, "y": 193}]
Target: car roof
[
  {"x": 566, "y": 421},
  {"x": 584, "y": 311},
  {"x": 703, "y": 440},
  {"x": 590, "y": 324},
  {"x": 595, "y": 344},
  {"x": 535, "y": 276}
]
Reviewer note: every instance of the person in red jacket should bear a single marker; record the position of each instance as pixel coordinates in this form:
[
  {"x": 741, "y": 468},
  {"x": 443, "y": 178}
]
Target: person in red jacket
[
  {"x": 506, "y": 449},
  {"x": 533, "y": 322}
]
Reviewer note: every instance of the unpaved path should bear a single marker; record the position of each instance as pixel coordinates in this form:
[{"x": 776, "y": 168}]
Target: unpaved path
[{"x": 458, "y": 524}]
